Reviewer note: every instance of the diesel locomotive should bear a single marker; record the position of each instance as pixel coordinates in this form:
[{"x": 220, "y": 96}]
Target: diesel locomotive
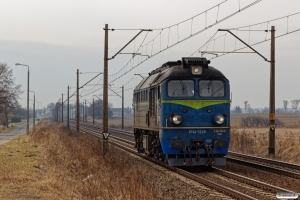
[{"x": 182, "y": 113}]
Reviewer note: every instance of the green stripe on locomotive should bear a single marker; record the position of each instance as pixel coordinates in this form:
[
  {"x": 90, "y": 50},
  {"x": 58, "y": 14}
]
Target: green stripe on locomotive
[{"x": 196, "y": 104}]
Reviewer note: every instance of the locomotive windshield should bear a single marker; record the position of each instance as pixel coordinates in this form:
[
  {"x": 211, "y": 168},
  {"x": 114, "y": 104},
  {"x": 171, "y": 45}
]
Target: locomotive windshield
[
  {"x": 211, "y": 88},
  {"x": 181, "y": 88}
]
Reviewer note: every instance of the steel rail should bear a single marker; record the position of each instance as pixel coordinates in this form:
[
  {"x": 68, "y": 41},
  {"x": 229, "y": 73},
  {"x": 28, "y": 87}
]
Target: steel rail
[
  {"x": 264, "y": 160},
  {"x": 250, "y": 181},
  {"x": 266, "y": 168}
]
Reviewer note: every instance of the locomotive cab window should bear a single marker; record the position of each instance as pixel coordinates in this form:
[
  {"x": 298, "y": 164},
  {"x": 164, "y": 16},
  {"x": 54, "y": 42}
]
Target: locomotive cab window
[
  {"x": 211, "y": 88},
  {"x": 181, "y": 88}
]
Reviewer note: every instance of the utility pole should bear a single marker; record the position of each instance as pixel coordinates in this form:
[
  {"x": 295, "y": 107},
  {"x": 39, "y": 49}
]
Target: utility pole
[
  {"x": 105, "y": 85},
  {"x": 105, "y": 78},
  {"x": 71, "y": 111},
  {"x": 57, "y": 112},
  {"x": 93, "y": 111},
  {"x": 68, "y": 111},
  {"x": 27, "y": 125},
  {"x": 77, "y": 103},
  {"x": 272, "y": 117},
  {"x": 85, "y": 113},
  {"x": 62, "y": 108},
  {"x": 272, "y": 95},
  {"x": 33, "y": 112},
  {"x": 122, "y": 106}
]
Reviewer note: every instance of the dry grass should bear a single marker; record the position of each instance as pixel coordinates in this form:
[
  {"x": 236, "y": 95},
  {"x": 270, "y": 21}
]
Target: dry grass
[
  {"x": 255, "y": 141},
  {"x": 55, "y": 163}
]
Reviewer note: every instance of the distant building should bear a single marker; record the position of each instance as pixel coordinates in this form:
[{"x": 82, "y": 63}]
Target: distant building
[{"x": 15, "y": 119}]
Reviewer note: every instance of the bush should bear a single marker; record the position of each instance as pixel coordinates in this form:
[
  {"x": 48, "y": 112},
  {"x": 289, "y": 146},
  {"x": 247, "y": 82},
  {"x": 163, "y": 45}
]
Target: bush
[{"x": 258, "y": 122}]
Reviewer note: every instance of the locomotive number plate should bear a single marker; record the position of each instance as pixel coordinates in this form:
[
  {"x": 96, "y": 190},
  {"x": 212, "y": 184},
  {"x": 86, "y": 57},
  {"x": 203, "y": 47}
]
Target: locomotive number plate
[
  {"x": 197, "y": 131},
  {"x": 219, "y": 131}
]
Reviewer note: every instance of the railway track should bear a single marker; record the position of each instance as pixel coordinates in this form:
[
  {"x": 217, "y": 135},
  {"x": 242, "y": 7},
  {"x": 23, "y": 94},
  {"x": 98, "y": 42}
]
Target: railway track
[
  {"x": 247, "y": 188},
  {"x": 278, "y": 167},
  {"x": 265, "y": 161}
]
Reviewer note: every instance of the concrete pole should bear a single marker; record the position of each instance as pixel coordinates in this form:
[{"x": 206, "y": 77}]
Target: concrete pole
[
  {"x": 93, "y": 111},
  {"x": 77, "y": 103},
  {"x": 272, "y": 95},
  {"x": 33, "y": 120},
  {"x": 122, "y": 107},
  {"x": 85, "y": 112},
  {"x": 105, "y": 84},
  {"x": 62, "y": 108},
  {"x": 57, "y": 112},
  {"x": 27, "y": 125},
  {"x": 68, "y": 111}
]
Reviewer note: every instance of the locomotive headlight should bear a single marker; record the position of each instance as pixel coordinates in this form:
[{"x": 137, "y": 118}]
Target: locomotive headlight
[
  {"x": 196, "y": 70},
  {"x": 219, "y": 119},
  {"x": 176, "y": 119}
]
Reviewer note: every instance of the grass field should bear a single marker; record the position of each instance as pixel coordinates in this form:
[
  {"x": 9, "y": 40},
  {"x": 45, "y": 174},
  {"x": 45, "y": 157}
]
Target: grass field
[{"x": 255, "y": 141}]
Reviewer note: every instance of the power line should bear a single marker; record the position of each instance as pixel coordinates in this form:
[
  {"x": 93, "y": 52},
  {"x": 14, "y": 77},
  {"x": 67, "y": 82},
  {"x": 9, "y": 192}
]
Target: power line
[
  {"x": 248, "y": 26},
  {"x": 181, "y": 21},
  {"x": 125, "y": 69},
  {"x": 130, "y": 64},
  {"x": 264, "y": 21},
  {"x": 94, "y": 85},
  {"x": 258, "y": 43}
]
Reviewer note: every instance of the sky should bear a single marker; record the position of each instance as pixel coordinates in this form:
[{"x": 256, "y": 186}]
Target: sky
[{"x": 55, "y": 38}]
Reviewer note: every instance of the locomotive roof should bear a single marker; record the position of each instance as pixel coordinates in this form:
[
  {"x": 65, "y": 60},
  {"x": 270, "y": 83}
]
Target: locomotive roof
[{"x": 176, "y": 70}]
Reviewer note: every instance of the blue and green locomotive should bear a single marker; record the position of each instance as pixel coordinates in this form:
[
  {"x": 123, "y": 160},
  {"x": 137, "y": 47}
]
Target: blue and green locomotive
[{"x": 182, "y": 113}]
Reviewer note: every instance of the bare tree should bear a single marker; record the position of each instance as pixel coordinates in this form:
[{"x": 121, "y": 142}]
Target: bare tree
[
  {"x": 246, "y": 106},
  {"x": 249, "y": 109},
  {"x": 285, "y": 104},
  {"x": 9, "y": 92},
  {"x": 295, "y": 104}
]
